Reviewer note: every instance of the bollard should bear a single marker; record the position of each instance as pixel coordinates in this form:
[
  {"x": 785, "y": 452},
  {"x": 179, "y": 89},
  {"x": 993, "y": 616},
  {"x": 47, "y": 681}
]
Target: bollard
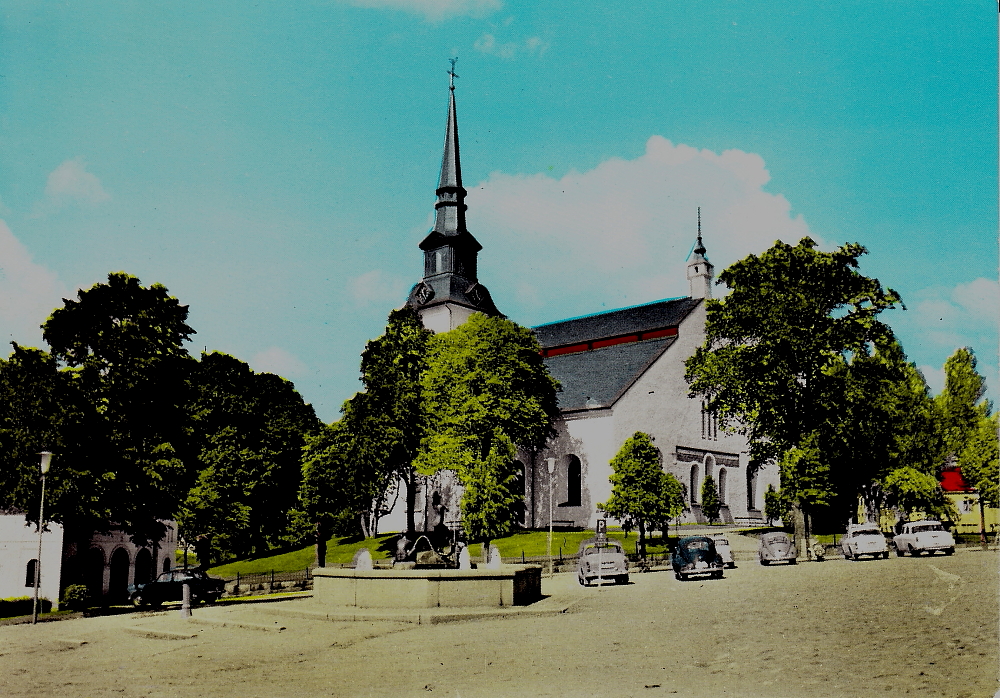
[
  {"x": 186, "y": 600},
  {"x": 522, "y": 557},
  {"x": 271, "y": 588},
  {"x": 236, "y": 589}
]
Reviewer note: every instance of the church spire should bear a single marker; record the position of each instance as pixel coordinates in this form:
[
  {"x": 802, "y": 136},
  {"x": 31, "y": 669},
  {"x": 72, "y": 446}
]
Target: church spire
[
  {"x": 450, "y": 206},
  {"x": 699, "y": 269},
  {"x": 449, "y": 291}
]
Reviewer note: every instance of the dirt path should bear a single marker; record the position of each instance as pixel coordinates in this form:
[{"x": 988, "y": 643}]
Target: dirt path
[{"x": 903, "y": 626}]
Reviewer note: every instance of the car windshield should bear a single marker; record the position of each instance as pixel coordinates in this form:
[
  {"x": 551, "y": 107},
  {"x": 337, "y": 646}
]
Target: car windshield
[
  {"x": 927, "y": 527},
  {"x": 604, "y": 550},
  {"x": 697, "y": 545},
  {"x": 867, "y": 532},
  {"x": 777, "y": 538},
  {"x": 721, "y": 541}
]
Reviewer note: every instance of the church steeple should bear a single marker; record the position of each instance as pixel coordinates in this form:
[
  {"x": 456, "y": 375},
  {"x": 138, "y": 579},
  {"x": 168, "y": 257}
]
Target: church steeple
[
  {"x": 449, "y": 291},
  {"x": 699, "y": 269}
]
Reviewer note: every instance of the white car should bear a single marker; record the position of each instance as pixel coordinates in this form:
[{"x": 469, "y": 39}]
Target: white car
[
  {"x": 722, "y": 547},
  {"x": 919, "y": 537},
  {"x": 601, "y": 562},
  {"x": 863, "y": 539}
]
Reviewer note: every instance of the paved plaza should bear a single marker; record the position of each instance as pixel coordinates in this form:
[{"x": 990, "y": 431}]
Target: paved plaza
[{"x": 902, "y": 626}]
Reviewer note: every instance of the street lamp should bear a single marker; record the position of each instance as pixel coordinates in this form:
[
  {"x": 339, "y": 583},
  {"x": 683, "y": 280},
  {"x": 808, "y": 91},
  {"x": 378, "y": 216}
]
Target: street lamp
[
  {"x": 551, "y": 462},
  {"x": 46, "y": 460}
]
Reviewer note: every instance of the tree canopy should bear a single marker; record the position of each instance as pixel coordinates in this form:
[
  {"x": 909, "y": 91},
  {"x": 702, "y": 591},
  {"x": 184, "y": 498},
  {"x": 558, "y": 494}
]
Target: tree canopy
[
  {"x": 642, "y": 494},
  {"x": 780, "y": 355},
  {"x": 486, "y": 387}
]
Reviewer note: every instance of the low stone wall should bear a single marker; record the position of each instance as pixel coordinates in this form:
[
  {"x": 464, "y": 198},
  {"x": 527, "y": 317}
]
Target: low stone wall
[{"x": 511, "y": 585}]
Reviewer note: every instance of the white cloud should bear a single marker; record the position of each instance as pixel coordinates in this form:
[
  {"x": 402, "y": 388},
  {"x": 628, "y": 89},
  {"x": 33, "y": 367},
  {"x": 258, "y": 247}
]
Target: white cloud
[
  {"x": 70, "y": 183},
  {"x": 488, "y": 44},
  {"x": 435, "y": 10},
  {"x": 28, "y": 293},
  {"x": 621, "y": 232},
  {"x": 375, "y": 287},
  {"x": 277, "y": 360},
  {"x": 939, "y": 320}
]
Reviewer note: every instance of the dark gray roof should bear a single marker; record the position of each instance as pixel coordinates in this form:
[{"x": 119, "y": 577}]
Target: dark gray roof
[
  {"x": 639, "y": 318},
  {"x": 602, "y": 375}
]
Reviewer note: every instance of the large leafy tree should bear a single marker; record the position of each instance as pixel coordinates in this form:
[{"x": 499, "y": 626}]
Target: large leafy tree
[
  {"x": 125, "y": 344},
  {"x": 486, "y": 387},
  {"x": 390, "y": 418},
  {"x": 969, "y": 431},
  {"x": 775, "y": 351},
  {"x": 248, "y": 432},
  {"x": 42, "y": 408},
  {"x": 641, "y": 492}
]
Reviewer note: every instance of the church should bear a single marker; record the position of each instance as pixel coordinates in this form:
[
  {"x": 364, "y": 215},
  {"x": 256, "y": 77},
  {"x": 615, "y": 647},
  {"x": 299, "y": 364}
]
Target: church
[{"x": 621, "y": 371}]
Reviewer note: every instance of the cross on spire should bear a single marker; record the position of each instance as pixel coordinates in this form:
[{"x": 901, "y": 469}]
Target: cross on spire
[
  {"x": 700, "y": 247},
  {"x": 451, "y": 73}
]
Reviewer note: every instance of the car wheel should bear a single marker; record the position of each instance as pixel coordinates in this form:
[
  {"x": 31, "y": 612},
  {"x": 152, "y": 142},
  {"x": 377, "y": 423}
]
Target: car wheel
[
  {"x": 717, "y": 575},
  {"x": 899, "y": 553},
  {"x": 764, "y": 562},
  {"x": 949, "y": 551},
  {"x": 621, "y": 579},
  {"x": 155, "y": 603},
  {"x": 678, "y": 576},
  {"x": 792, "y": 561},
  {"x": 885, "y": 555},
  {"x": 847, "y": 555},
  {"x": 138, "y": 601}
]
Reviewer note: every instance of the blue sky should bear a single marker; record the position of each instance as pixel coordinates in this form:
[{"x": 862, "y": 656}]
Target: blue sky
[{"x": 274, "y": 165}]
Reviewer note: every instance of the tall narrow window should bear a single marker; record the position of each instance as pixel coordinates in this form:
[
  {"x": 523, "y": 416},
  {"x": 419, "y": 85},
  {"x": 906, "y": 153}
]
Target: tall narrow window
[
  {"x": 574, "y": 482},
  {"x": 29, "y": 574},
  {"x": 695, "y": 483},
  {"x": 709, "y": 424},
  {"x": 439, "y": 261},
  {"x": 723, "y": 474}
]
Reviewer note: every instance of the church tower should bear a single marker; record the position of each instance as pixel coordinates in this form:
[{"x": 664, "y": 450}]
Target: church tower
[
  {"x": 449, "y": 291},
  {"x": 699, "y": 269}
]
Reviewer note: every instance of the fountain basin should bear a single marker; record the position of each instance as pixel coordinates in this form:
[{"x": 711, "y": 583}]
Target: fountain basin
[{"x": 510, "y": 585}]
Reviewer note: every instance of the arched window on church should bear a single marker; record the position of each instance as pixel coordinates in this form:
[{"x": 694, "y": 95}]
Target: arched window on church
[
  {"x": 695, "y": 483},
  {"x": 723, "y": 476},
  {"x": 574, "y": 482},
  {"x": 751, "y": 488},
  {"x": 29, "y": 573}
]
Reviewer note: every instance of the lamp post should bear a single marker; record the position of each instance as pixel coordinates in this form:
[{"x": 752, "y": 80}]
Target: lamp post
[
  {"x": 46, "y": 460},
  {"x": 551, "y": 462}
]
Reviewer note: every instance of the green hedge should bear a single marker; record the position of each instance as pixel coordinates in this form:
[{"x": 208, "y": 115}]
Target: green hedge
[{"x": 21, "y": 606}]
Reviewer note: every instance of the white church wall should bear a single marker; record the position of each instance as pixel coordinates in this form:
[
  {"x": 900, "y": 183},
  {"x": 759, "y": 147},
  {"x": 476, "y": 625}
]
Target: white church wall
[{"x": 19, "y": 545}]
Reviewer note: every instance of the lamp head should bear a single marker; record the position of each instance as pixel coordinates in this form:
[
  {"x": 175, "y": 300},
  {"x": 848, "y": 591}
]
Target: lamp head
[
  {"x": 46, "y": 461},
  {"x": 551, "y": 462}
]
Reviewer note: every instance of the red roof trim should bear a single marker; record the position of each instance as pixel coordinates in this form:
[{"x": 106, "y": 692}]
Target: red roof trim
[{"x": 609, "y": 341}]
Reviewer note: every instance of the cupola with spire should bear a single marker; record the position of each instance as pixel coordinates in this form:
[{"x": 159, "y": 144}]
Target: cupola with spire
[
  {"x": 449, "y": 291},
  {"x": 699, "y": 269}
]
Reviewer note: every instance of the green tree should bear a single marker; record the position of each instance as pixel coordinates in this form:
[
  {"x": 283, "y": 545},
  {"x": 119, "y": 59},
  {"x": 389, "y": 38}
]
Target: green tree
[
  {"x": 641, "y": 493},
  {"x": 771, "y": 366},
  {"x": 963, "y": 412},
  {"x": 125, "y": 342},
  {"x": 980, "y": 464},
  {"x": 42, "y": 408},
  {"x": 391, "y": 371},
  {"x": 710, "y": 503},
  {"x": 248, "y": 431},
  {"x": 908, "y": 490},
  {"x": 329, "y": 494},
  {"x": 486, "y": 386}
]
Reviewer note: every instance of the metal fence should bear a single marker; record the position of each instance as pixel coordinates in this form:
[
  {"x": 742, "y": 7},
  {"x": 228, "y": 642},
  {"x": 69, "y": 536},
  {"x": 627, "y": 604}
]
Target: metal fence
[{"x": 268, "y": 582}]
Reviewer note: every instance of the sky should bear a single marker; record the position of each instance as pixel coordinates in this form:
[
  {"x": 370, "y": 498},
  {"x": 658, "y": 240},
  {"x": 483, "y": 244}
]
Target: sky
[{"x": 274, "y": 164}]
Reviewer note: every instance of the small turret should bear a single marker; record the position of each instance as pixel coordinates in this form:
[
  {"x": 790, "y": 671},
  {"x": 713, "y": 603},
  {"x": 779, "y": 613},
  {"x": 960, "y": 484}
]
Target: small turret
[{"x": 699, "y": 269}]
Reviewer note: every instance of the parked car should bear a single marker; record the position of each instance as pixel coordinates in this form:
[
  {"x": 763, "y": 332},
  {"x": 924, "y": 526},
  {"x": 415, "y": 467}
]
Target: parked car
[
  {"x": 863, "y": 539},
  {"x": 601, "y": 562},
  {"x": 919, "y": 537},
  {"x": 169, "y": 586},
  {"x": 722, "y": 547},
  {"x": 696, "y": 556},
  {"x": 776, "y": 546}
]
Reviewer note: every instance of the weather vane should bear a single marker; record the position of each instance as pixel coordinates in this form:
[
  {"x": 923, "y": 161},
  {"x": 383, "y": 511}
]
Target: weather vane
[{"x": 452, "y": 72}]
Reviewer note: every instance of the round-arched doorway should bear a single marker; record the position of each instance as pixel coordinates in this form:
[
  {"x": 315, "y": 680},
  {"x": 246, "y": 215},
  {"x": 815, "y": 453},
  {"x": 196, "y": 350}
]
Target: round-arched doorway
[{"x": 118, "y": 582}]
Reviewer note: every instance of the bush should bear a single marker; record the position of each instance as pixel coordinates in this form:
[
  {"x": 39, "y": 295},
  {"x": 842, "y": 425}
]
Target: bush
[
  {"x": 76, "y": 597},
  {"x": 21, "y": 606}
]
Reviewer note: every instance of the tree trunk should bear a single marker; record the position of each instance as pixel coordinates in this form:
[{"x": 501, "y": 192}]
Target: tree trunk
[
  {"x": 320, "y": 533},
  {"x": 642, "y": 539},
  {"x": 411, "y": 501},
  {"x": 799, "y": 528},
  {"x": 364, "y": 523},
  {"x": 982, "y": 524}
]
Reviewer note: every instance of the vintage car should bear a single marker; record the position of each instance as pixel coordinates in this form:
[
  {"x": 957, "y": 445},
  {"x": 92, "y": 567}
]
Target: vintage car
[
  {"x": 863, "y": 539},
  {"x": 696, "y": 556},
  {"x": 776, "y": 547},
  {"x": 169, "y": 586},
  {"x": 722, "y": 547},
  {"x": 604, "y": 561},
  {"x": 919, "y": 537}
]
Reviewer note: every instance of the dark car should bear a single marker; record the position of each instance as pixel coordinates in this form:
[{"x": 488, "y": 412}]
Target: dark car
[
  {"x": 776, "y": 547},
  {"x": 696, "y": 556},
  {"x": 169, "y": 586}
]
